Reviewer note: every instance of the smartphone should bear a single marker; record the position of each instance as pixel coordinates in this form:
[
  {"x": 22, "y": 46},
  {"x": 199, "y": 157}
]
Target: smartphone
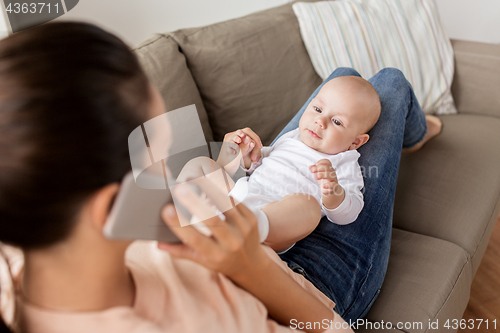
[{"x": 136, "y": 212}]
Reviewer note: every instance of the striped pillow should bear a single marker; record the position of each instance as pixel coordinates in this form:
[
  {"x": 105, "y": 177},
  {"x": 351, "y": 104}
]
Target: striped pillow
[{"x": 369, "y": 35}]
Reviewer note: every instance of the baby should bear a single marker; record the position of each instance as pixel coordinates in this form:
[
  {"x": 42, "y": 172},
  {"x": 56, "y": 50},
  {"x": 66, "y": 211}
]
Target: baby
[{"x": 309, "y": 172}]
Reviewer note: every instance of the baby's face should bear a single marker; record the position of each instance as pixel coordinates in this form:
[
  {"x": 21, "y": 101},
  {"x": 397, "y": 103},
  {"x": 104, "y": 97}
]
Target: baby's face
[{"x": 337, "y": 119}]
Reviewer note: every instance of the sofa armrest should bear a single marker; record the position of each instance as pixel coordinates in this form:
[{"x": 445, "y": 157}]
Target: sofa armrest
[{"x": 476, "y": 85}]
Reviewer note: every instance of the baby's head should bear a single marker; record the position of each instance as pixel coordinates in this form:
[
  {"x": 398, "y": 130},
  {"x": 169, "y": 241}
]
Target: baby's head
[{"x": 340, "y": 116}]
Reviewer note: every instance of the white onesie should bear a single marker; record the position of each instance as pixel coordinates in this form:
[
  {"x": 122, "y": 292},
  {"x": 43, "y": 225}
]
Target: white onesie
[{"x": 284, "y": 169}]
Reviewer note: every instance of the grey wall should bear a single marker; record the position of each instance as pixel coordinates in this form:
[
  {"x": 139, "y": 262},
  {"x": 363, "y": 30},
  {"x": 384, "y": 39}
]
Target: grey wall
[
  {"x": 477, "y": 20},
  {"x": 134, "y": 20}
]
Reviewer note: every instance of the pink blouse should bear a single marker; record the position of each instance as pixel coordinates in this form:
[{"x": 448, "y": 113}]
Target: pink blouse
[{"x": 174, "y": 296}]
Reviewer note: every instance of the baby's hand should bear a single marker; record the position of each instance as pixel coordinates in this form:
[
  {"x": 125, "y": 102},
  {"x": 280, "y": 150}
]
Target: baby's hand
[
  {"x": 332, "y": 194},
  {"x": 326, "y": 176},
  {"x": 244, "y": 140}
]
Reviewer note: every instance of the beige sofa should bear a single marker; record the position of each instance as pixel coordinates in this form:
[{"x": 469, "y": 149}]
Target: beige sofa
[{"x": 254, "y": 71}]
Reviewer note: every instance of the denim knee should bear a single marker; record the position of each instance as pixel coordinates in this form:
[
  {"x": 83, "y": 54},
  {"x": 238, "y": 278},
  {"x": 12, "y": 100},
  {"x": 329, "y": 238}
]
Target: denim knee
[
  {"x": 344, "y": 71},
  {"x": 390, "y": 83},
  {"x": 394, "y": 75},
  {"x": 392, "y": 72}
]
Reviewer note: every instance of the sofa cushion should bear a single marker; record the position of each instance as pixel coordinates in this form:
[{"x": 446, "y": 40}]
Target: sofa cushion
[
  {"x": 425, "y": 277},
  {"x": 449, "y": 189},
  {"x": 255, "y": 64},
  {"x": 167, "y": 70},
  {"x": 477, "y": 77}
]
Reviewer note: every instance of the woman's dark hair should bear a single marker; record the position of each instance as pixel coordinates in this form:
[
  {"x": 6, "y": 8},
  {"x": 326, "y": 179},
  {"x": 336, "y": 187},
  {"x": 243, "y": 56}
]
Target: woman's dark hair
[{"x": 70, "y": 94}]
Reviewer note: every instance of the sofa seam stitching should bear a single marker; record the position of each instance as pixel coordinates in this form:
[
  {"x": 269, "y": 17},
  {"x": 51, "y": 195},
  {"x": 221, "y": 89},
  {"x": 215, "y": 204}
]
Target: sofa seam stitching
[
  {"x": 484, "y": 233},
  {"x": 433, "y": 237},
  {"x": 459, "y": 275},
  {"x": 452, "y": 289},
  {"x": 472, "y": 254},
  {"x": 152, "y": 42},
  {"x": 475, "y": 54},
  {"x": 472, "y": 113}
]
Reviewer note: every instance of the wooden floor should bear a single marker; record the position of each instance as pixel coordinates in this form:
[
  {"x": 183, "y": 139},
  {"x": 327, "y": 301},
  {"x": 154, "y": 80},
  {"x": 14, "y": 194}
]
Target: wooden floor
[{"x": 485, "y": 294}]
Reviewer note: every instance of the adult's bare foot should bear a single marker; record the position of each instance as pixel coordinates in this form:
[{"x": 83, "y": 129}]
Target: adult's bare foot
[{"x": 434, "y": 127}]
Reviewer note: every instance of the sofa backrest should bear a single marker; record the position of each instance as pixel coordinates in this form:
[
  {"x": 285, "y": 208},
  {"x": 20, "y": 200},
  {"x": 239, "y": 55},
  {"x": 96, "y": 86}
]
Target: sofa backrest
[
  {"x": 476, "y": 81},
  {"x": 257, "y": 63},
  {"x": 166, "y": 68}
]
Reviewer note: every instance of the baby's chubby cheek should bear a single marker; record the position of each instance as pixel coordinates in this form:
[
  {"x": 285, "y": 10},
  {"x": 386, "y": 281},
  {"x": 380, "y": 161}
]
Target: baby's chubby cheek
[{"x": 304, "y": 137}]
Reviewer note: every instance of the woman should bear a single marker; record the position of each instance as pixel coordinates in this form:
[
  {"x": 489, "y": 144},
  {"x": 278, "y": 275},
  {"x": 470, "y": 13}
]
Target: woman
[{"x": 70, "y": 94}]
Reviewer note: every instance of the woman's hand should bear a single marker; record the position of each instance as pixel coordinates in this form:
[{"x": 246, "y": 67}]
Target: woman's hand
[{"x": 233, "y": 248}]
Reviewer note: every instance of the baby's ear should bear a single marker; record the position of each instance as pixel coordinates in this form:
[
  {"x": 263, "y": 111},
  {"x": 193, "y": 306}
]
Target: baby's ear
[{"x": 359, "y": 141}]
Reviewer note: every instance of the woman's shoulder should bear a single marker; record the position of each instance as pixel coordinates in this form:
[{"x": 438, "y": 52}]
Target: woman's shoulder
[
  {"x": 154, "y": 269},
  {"x": 146, "y": 256}
]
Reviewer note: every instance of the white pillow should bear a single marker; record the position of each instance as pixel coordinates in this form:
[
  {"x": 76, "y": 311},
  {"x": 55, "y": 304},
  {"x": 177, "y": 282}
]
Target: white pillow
[{"x": 369, "y": 35}]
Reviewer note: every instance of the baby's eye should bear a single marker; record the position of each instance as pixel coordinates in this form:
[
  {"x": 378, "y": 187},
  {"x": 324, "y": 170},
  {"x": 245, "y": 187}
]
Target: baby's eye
[
  {"x": 317, "y": 109},
  {"x": 336, "y": 122}
]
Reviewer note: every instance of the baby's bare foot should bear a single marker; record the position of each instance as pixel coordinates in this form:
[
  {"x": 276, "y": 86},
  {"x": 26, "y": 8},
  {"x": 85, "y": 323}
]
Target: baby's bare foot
[{"x": 434, "y": 127}]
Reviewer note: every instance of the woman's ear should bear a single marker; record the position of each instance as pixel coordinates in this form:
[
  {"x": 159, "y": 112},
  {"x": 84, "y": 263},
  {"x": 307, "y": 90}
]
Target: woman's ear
[
  {"x": 359, "y": 141},
  {"x": 100, "y": 205}
]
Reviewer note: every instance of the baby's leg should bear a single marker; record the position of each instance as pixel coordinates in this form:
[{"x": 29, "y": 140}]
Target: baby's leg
[
  {"x": 206, "y": 167},
  {"x": 291, "y": 219}
]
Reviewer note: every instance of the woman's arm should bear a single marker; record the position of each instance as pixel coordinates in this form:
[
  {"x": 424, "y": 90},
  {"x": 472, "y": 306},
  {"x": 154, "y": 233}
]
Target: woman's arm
[
  {"x": 284, "y": 298},
  {"x": 234, "y": 250}
]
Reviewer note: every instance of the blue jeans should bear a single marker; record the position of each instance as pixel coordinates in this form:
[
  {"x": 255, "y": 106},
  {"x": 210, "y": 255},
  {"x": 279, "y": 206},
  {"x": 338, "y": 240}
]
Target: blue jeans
[{"x": 348, "y": 262}]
